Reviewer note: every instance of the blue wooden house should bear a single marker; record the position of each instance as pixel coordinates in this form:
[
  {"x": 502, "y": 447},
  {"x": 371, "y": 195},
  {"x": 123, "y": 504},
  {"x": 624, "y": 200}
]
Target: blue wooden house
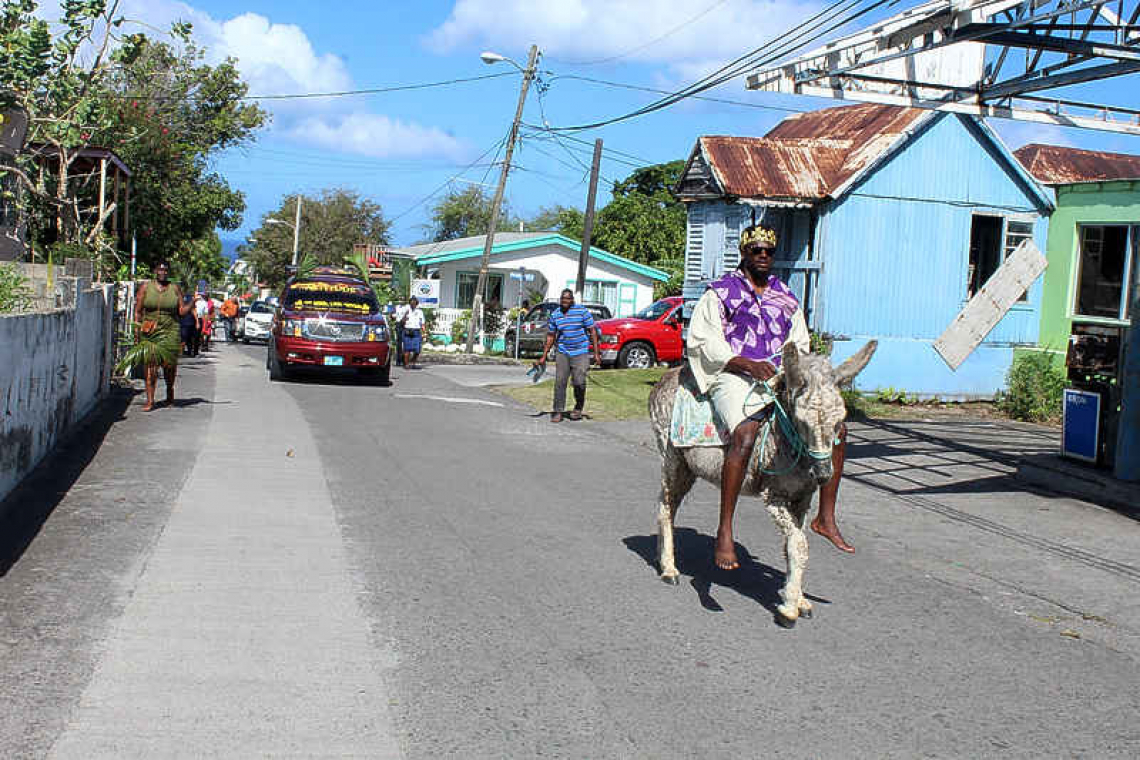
[{"x": 889, "y": 220}]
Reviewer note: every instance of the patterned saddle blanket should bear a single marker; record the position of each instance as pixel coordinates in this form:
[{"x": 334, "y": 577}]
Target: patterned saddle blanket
[{"x": 695, "y": 422}]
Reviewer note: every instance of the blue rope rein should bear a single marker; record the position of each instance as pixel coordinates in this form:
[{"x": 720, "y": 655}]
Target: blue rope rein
[{"x": 788, "y": 428}]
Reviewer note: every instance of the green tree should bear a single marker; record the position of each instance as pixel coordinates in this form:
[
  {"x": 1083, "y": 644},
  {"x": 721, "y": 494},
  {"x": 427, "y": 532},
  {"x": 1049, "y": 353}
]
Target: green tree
[
  {"x": 646, "y": 223},
  {"x": 466, "y": 213},
  {"x": 565, "y": 220},
  {"x": 171, "y": 114},
  {"x": 331, "y": 224},
  {"x": 84, "y": 82},
  {"x": 58, "y": 76}
]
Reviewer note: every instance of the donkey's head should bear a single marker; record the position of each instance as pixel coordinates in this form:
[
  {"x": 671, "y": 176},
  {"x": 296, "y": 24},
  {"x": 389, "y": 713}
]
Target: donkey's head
[{"x": 815, "y": 405}]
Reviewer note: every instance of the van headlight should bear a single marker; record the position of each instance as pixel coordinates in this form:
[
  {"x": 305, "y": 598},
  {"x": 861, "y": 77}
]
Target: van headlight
[
  {"x": 377, "y": 332},
  {"x": 611, "y": 338},
  {"x": 292, "y": 327}
]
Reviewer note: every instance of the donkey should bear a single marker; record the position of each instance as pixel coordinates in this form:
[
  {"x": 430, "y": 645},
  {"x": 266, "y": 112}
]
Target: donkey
[{"x": 783, "y": 471}]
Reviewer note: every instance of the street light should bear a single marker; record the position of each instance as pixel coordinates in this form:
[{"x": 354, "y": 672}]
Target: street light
[
  {"x": 296, "y": 226},
  {"x": 488, "y": 58}
]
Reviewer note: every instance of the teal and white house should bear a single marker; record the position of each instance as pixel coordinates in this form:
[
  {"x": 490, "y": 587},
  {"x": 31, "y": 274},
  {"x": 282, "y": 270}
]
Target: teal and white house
[{"x": 547, "y": 261}]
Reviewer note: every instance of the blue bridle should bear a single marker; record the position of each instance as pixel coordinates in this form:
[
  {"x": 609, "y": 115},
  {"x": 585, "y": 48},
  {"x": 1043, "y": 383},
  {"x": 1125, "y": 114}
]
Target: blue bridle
[{"x": 788, "y": 428}]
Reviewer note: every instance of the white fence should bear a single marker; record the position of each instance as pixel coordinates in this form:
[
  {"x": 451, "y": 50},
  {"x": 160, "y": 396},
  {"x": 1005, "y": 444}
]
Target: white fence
[{"x": 445, "y": 318}]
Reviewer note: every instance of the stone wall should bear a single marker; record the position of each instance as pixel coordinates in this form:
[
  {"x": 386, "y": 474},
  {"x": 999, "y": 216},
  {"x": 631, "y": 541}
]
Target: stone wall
[{"x": 55, "y": 366}]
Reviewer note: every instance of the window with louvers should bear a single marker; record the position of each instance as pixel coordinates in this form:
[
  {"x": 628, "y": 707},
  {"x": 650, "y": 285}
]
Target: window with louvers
[{"x": 695, "y": 242}]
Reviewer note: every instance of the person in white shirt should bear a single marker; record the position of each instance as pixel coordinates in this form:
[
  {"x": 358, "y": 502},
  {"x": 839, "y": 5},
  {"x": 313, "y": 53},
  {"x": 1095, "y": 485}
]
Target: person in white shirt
[
  {"x": 398, "y": 328},
  {"x": 413, "y": 332}
]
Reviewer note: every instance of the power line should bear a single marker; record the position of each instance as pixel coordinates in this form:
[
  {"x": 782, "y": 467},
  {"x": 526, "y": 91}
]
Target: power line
[
  {"x": 727, "y": 101},
  {"x": 332, "y": 94},
  {"x": 378, "y": 90},
  {"x": 447, "y": 182},
  {"x": 641, "y": 47},
  {"x": 798, "y": 36}
]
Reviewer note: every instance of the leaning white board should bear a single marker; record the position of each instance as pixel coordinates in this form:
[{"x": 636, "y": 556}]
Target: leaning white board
[{"x": 990, "y": 304}]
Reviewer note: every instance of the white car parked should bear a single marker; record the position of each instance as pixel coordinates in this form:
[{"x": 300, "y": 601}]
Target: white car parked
[{"x": 258, "y": 323}]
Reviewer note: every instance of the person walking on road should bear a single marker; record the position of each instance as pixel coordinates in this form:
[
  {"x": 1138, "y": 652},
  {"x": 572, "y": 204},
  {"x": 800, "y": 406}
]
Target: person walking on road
[
  {"x": 398, "y": 313},
  {"x": 159, "y": 305},
  {"x": 413, "y": 322},
  {"x": 576, "y": 334},
  {"x": 736, "y": 336},
  {"x": 190, "y": 327},
  {"x": 229, "y": 311}
]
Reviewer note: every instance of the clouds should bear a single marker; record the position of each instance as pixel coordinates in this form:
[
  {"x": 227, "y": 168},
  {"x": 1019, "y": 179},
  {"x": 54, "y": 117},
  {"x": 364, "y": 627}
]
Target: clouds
[
  {"x": 280, "y": 59},
  {"x": 377, "y": 136},
  {"x": 691, "y": 34}
]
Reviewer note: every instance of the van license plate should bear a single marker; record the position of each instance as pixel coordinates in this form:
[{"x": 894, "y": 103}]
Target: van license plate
[{"x": 334, "y": 361}]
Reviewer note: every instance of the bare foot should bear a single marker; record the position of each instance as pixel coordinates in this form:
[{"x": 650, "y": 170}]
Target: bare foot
[
  {"x": 832, "y": 534},
  {"x": 724, "y": 554},
  {"x": 148, "y": 406}
]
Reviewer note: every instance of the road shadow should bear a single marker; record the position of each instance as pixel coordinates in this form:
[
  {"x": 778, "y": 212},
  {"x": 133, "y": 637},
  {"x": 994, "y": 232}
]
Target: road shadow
[
  {"x": 332, "y": 377},
  {"x": 179, "y": 403},
  {"x": 26, "y": 509},
  {"x": 694, "y": 556}
]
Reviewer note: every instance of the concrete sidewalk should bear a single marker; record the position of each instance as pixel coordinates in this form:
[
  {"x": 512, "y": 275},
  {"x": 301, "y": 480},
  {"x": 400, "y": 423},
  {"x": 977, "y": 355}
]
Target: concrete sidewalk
[{"x": 244, "y": 636}]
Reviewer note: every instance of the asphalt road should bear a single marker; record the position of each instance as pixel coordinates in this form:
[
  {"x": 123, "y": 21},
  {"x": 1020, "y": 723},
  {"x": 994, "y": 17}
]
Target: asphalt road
[{"x": 491, "y": 576}]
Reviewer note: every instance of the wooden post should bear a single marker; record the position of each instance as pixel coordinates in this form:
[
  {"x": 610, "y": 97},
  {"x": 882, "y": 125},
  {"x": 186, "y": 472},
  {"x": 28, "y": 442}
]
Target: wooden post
[
  {"x": 588, "y": 225},
  {"x": 115, "y": 212},
  {"x": 489, "y": 242},
  {"x": 127, "y": 211},
  {"x": 102, "y": 188}
]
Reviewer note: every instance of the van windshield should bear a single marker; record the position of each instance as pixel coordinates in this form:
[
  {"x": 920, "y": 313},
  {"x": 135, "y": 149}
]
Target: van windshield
[{"x": 340, "y": 297}]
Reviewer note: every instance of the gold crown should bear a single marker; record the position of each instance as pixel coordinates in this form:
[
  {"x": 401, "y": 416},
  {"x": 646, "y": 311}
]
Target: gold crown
[{"x": 765, "y": 237}]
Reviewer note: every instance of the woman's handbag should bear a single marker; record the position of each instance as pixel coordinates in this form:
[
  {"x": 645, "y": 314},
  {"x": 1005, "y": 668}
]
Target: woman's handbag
[{"x": 147, "y": 326}]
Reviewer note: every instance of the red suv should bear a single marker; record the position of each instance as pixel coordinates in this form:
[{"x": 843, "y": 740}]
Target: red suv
[
  {"x": 329, "y": 319},
  {"x": 651, "y": 335}
]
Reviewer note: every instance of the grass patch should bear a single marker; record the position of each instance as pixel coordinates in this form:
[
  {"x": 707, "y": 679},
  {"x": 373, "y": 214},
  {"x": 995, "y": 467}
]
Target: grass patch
[{"x": 612, "y": 394}]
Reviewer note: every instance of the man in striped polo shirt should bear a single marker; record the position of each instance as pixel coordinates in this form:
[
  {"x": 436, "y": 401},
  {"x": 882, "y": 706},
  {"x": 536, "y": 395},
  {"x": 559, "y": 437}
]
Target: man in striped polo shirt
[{"x": 574, "y": 329}]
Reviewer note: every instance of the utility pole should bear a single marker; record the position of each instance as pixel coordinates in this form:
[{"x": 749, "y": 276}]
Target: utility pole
[
  {"x": 477, "y": 304},
  {"x": 588, "y": 225},
  {"x": 296, "y": 231}
]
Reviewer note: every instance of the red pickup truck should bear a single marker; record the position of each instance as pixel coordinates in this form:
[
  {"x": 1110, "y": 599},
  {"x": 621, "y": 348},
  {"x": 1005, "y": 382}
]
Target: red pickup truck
[{"x": 641, "y": 340}]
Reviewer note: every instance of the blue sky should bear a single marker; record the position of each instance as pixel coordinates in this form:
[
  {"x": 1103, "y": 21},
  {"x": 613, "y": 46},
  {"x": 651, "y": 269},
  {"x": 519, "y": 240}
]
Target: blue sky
[{"x": 397, "y": 148}]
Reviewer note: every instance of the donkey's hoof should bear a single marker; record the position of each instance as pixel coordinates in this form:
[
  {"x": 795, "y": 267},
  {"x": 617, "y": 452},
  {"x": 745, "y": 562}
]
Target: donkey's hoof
[
  {"x": 672, "y": 580},
  {"x": 805, "y": 608},
  {"x": 786, "y": 615},
  {"x": 784, "y": 622}
]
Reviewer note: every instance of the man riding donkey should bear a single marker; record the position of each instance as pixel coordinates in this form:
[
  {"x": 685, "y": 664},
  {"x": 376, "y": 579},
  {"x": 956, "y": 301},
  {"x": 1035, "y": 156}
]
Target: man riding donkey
[{"x": 736, "y": 335}]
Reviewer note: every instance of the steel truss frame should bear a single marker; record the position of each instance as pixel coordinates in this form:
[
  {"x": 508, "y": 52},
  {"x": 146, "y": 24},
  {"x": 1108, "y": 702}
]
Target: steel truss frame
[{"x": 1065, "y": 42}]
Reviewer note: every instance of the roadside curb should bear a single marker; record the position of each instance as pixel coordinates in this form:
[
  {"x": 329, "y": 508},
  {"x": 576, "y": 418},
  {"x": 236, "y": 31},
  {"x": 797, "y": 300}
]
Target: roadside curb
[{"x": 1052, "y": 472}]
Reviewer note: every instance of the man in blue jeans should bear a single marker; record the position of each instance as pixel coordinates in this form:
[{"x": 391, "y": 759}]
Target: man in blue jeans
[{"x": 574, "y": 329}]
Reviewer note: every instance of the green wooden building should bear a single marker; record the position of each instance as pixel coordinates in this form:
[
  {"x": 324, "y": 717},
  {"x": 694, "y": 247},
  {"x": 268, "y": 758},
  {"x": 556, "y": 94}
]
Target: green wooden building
[{"x": 1092, "y": 243}]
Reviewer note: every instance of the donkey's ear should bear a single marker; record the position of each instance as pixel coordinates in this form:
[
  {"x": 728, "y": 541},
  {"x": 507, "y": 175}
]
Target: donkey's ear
[
  {"x": 791, "y": 364},
  {"x": 847, "y": 371}
]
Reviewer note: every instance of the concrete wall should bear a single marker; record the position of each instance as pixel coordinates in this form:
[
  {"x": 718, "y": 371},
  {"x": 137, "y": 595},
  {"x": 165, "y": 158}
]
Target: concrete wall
[{"x": 55, "y": 366}]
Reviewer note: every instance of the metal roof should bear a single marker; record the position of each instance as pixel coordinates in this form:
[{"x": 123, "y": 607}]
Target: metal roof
[
  {"x": 808, "y": 156},
  {"x": 1059, "y": 165},
  {"x": 509, "y": 242},
  {"x": 461, "y": 244}
]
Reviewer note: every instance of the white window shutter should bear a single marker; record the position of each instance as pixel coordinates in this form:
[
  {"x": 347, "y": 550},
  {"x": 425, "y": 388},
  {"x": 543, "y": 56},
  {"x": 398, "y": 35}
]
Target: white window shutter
[
  {"x": 733, "y": 226},
  {"x": 695, "y": 242}
]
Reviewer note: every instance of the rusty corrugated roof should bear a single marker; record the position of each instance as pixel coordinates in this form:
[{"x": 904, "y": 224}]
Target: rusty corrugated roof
[
  {"x": 1059, "y": 165},
  {"x": 807, "y": 156}
]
